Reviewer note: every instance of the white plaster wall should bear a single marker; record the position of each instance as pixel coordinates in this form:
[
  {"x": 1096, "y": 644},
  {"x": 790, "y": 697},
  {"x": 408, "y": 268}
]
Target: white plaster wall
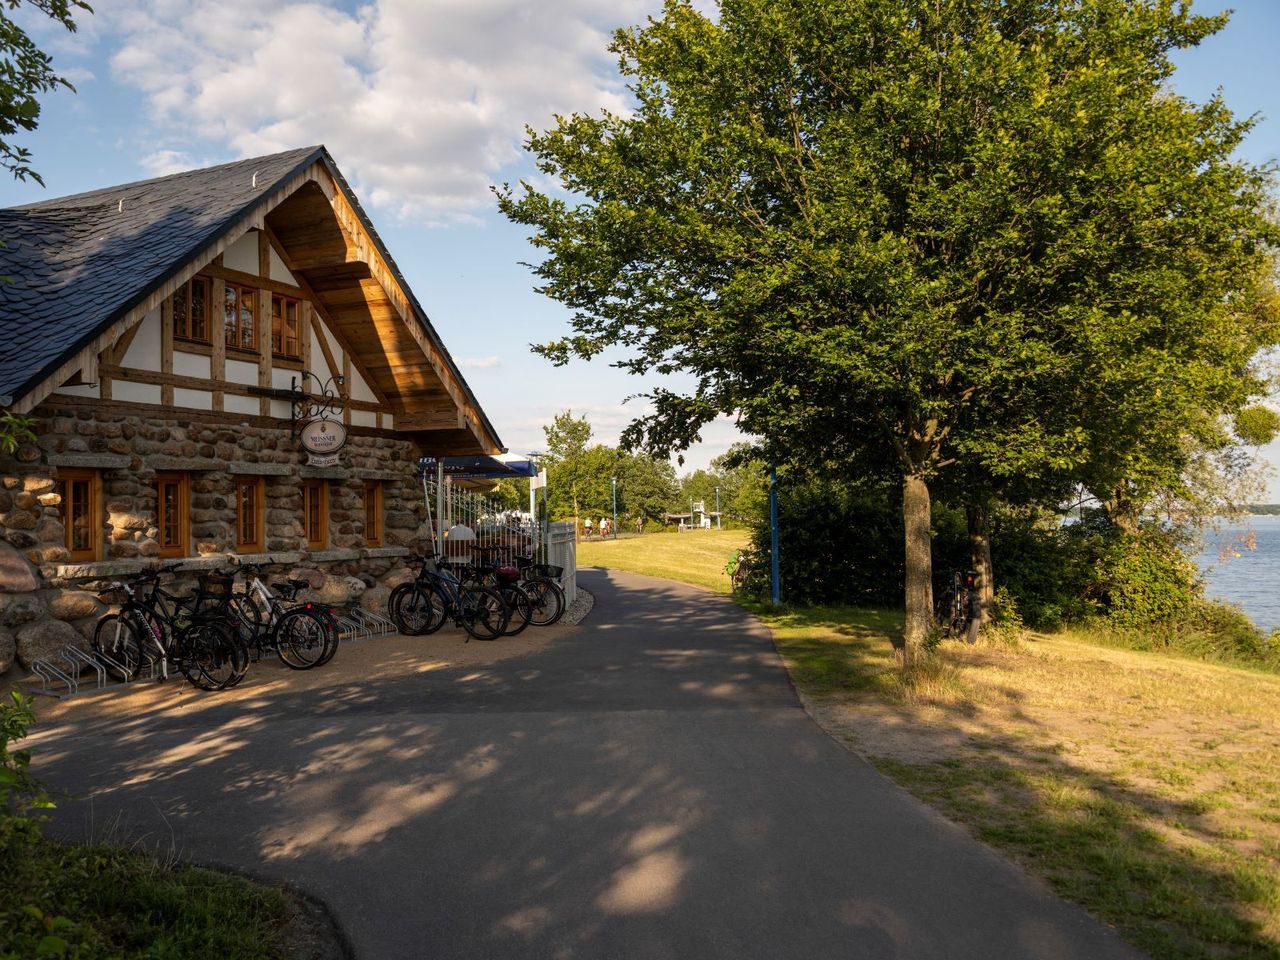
[
  {"x": 239, "y": 371},
  {"x": 81, "y": 390},
  {"x": 191, "y": 365},
  {"x": 359, "y": 389},
  {"x": 243, "y": 254},
  {"x": 282, "y": 377},
  {"x": 388, "y": 421},
  {"x": 279, "y": 271},
  {"x": 280, "y": 409},
  {"x": 192, "y": 399},
  {"x": 234, "y": 404},
  {"x": 144, "y": 351},
  {"x": 363, "y": 418},
  {"x": 135, "y": 392}
]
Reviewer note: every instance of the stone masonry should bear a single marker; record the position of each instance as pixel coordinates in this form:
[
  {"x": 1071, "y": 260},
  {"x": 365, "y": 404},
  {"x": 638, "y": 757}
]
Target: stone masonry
[{"x": 47, "y": 603}]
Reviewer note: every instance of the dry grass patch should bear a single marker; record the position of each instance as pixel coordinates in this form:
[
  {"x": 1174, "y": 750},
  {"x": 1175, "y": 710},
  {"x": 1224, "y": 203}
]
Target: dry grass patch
[{"x": 1144, "y": 788}]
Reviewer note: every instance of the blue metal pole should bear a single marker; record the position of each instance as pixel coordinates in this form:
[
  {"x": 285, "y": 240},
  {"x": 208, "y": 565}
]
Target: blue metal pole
[
  {"x": 775, "y": 571},
  {"x": 615, "y": 507}
]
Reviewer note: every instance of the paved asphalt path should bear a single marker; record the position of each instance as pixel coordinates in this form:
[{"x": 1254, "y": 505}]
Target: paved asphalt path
[{"x": 646, "y": 787}]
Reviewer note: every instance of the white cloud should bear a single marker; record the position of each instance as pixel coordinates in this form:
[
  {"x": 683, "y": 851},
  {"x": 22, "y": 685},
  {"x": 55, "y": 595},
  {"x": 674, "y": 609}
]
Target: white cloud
[
  {"x": 481, "y": 363},
  {"x": 422, "y": 102}
]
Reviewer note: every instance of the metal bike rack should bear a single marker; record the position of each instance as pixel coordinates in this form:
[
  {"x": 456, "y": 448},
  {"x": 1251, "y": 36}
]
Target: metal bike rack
[
  {"x": 376, "y": 624},
  {"x": 77, "y": 660},
  {"x": 52, "y": 675}
]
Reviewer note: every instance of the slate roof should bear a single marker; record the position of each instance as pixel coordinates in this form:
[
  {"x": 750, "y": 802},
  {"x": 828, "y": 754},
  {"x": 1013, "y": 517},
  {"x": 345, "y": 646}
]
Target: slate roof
[{"x": 78, "y": 264}]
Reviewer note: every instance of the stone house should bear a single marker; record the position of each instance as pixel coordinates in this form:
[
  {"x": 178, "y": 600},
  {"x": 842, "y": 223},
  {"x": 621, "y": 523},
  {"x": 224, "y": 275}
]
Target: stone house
[{"x": 176, "y": 342}]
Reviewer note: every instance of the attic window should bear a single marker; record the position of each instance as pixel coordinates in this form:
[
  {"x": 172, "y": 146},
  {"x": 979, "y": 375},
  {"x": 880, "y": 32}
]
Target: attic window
[{"x": 191, "y": 310}]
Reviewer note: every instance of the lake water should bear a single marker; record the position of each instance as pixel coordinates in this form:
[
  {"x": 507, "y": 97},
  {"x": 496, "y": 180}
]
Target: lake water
[{"x": 1248, "y": 577}]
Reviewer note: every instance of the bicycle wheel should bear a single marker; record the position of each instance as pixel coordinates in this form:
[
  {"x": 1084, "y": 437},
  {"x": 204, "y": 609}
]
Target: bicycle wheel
[
  {"x": 301, "y": 638},
  {"x": 210, "y": 655},
  {"x": 416, "y": 609},
  {"x": 483, "y": 612},
  {"x": 548, "y": 601},
  {"x": 117, "y": 641},
  {"x": 331, "y": 634},
  {"x": 249, "y": 621},
  {"x": 520, "y": 604}
]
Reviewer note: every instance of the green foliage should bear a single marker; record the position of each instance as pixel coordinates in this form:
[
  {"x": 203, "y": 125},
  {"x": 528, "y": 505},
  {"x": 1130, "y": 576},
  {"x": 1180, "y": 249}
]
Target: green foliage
[
  {"x": 1257, "y": 425},
  {"x": 15, "y": 430},
  {"x": 1147, "y": 579},
  {"x": 580, "y": 476},
  {"x": 842, "y": 544},
  {"x": 25, "y": 72}
]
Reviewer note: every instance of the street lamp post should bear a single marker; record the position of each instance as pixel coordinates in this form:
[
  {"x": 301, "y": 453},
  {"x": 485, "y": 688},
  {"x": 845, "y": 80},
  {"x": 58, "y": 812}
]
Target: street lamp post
[
  {"x": 719, "y": 525},
  {"x": 615, "y": 507}
]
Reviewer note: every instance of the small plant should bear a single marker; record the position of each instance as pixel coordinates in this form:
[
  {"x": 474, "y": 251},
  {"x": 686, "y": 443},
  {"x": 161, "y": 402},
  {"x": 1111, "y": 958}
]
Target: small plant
[{"x": 15, "y": 431}]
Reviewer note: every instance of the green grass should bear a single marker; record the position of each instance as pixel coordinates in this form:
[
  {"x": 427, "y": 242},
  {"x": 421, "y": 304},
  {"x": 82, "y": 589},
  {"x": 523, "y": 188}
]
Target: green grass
[
  {"x": 1141, "y": 786},
  {"x": 110, "y": 902},
  {"x": 697, "y": 557}
]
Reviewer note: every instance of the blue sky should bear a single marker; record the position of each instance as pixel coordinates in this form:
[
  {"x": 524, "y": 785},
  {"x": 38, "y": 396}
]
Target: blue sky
[{"x": 423, "y": 103}]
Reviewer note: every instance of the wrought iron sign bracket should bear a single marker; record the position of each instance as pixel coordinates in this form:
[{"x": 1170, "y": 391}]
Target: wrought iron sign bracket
[{"x": 305, "y": 407}]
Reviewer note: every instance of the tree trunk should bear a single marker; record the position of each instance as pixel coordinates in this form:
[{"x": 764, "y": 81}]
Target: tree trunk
[
  {"x": 978, "y": 516},
  {"x": 917, "y": 519}
]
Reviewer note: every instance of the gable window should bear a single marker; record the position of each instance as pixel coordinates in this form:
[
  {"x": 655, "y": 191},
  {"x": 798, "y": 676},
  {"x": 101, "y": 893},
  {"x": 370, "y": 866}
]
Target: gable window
[
  {"x": 249, "y": 526},
  {"x": 172, "y": 514},
  {"x": 373, "y": 513},
  {"x": 191, "y": 310},
  {"x": 80, "y": 491},
  {"x": 286, "y": 314},
  {"x": 239, "y": 312},
  {"x": 315, "y": 514}
]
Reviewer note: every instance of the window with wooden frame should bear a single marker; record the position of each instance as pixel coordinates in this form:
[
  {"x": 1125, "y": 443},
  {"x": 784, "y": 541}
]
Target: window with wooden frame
[
  {"x": 172, "y": 515},
  {"x": 239, "y": 313},
  {"x": 81, "y": 507},
  {"x": 250, "y": 529},
  {"x": 191, "y": 310},
  {"x": 315, "y": 513},
  {"x": 373, "y": 513},
  {"x": 286, "y": 327}
]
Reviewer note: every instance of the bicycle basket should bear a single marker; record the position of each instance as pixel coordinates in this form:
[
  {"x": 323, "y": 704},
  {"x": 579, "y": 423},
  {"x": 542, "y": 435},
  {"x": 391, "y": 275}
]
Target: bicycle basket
[{"x": 213, "y": 589}]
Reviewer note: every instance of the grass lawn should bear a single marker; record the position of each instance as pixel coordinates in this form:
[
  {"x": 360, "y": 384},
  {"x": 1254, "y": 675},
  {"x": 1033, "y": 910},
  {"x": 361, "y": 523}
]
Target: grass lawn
[
  {"x": 1143, "y": 787},
  {"x": 111, "y": 902},
  {"x": 696, "y": 557}
]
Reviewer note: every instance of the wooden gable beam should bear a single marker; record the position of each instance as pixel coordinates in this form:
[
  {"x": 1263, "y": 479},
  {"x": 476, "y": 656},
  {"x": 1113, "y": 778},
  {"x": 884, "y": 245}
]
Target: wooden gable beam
[{"x": 320, "y": 309}]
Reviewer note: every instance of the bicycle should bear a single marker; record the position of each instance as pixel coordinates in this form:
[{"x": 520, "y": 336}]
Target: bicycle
[
  {"x": 542, "y": 582},
  {"x": 956, "y": 611},
  {"x": 302, "y": 634},
  {"x": 154, "y": 626},
  {"x": 423, "y": 605},
  {"x": 505, "y": 579},
  {"x": 739, "y": 569}
]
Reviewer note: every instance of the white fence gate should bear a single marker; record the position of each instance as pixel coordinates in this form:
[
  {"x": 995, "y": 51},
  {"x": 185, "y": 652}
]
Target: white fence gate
[{"x": 467, "y": 525}]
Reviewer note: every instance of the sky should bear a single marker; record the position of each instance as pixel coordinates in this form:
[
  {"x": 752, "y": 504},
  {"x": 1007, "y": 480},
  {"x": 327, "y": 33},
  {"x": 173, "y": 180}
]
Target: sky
[{"x": 424, "y": 104}]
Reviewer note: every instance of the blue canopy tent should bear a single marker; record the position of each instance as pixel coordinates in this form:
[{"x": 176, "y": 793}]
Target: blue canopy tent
[{"x": 478, "y": 467}]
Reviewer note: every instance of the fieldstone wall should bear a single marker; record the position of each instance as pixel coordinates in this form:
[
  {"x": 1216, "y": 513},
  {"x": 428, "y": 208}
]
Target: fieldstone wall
[{"x": 47, "y": 603}]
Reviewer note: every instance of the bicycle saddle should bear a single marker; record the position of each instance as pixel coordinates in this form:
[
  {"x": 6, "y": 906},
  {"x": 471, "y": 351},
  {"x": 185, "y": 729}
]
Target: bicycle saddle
[{"x": 289, "y": 588}]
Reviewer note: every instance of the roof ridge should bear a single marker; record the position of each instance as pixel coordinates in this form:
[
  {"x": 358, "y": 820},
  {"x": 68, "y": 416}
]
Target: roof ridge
[{"x": 69, "y": 201}]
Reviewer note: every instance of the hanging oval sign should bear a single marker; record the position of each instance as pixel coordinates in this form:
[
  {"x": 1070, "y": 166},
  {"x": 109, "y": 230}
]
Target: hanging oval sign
[{"x": 321, "y": 437}]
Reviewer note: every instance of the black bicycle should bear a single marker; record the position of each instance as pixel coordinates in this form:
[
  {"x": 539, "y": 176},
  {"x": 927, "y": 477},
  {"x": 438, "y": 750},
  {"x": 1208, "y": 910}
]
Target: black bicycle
[
  {"x": 423, "y": 605},
  {"x": 956, "y": 611},
  {"x": 156, "y": 628},
  {"x": 302, "y": 634}
]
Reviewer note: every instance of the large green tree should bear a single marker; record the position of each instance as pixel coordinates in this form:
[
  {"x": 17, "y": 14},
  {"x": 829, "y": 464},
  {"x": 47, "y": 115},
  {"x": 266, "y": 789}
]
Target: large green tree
[{"x": 909, "y": 235}]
